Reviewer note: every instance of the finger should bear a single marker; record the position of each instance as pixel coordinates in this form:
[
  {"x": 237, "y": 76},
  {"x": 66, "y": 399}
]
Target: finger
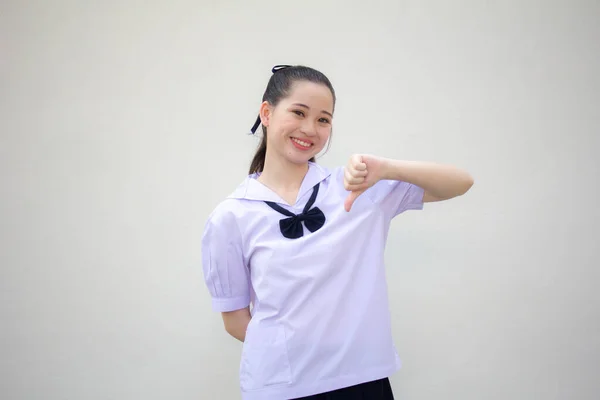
[
  {"x": 351, "y": 179},
  {"x": 357, "y": 188},
  {"x": 356, "y": 159},
  {"x": 358, "y": 172},
  {"x": 354, "y": 187},
  {"x": 351, "y": 199},
  {"x": 360, "y": 166},
  {"x": 356, "y": 163}
]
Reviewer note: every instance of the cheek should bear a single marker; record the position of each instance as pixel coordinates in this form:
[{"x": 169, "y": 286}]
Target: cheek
[
  {"x": 324, "y": 134},
  {"x": 288, "y": 125}
]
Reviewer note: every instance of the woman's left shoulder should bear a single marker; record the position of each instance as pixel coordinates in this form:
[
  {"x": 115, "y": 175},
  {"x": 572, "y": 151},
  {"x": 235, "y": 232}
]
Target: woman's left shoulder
[{"x": 328, "y": 173}]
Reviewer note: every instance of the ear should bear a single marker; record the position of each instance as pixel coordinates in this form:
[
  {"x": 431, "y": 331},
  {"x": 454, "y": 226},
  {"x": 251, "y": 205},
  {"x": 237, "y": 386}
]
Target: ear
[{"x": 265, "y": 113}]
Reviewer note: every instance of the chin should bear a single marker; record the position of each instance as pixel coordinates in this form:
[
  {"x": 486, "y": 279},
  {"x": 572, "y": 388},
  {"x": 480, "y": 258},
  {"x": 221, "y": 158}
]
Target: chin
[
  {"x": 301, "y": 157},
  {"x": 294, "y": 159}
]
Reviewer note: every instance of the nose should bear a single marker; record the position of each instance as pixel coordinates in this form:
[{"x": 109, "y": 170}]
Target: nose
[{"x": 309, "y": 128}]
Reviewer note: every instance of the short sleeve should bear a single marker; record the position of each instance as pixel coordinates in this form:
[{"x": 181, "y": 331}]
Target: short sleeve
[
  {"x": 395, "y": 197},
  {"x": 225, "y": 273}
]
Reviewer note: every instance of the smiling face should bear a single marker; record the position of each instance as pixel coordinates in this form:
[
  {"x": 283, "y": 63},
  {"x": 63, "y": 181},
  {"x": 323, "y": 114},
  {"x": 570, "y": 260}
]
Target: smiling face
[{"x": 299, "y": 126}]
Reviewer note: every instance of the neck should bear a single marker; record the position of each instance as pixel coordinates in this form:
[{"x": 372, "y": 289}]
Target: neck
[{"x": 282, "y": 175}]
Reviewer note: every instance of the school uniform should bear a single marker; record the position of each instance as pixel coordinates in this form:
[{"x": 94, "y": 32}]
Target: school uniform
[{"x": 315, "y": 277}]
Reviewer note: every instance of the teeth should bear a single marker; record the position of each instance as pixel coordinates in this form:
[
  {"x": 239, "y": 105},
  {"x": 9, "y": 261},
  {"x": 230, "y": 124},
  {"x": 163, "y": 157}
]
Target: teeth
[{"x": 300, "y": 142}]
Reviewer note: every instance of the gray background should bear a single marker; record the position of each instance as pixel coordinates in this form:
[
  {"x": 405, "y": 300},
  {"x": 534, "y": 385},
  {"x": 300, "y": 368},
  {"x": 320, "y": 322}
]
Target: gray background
[{"x": 123, "y": 124}]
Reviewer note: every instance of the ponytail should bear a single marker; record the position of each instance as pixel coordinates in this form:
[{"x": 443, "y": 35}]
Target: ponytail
[{"x": 258, "y": 161}]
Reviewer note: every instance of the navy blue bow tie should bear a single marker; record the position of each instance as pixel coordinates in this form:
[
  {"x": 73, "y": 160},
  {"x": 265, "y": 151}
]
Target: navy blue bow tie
[{"x": 313, "y": 218}]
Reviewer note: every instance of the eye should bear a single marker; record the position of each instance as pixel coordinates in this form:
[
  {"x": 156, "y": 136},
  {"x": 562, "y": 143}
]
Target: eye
[
  {"x": 324, "y": 120},
  {"x": 299, "y": 113}
]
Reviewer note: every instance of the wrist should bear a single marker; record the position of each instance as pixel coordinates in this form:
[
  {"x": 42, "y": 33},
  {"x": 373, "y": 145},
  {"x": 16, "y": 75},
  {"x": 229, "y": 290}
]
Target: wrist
[{"x": 391, "y": 169}]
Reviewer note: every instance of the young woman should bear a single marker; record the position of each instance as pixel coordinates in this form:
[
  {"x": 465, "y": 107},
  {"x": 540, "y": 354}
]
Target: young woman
[{"x": 304, "y": 245}]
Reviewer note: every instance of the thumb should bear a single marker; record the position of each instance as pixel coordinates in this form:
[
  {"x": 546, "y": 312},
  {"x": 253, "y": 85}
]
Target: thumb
[{"x": 351, "y": 198}]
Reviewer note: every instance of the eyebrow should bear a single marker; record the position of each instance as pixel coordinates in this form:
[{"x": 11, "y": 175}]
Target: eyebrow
[{"x": 305, "y": 106}]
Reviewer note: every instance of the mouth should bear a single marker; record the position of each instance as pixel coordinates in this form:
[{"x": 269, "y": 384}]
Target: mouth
[{"x": 302, "y": 144}]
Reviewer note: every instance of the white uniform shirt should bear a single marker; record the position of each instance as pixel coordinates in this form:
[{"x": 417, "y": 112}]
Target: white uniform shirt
[{"x": 320, "y": 315}]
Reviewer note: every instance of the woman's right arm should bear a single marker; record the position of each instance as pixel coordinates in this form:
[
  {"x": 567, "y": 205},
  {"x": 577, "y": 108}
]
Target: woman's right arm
[
  {"x": 226, "y": 272},
  {"x": 236, "y": 322}
]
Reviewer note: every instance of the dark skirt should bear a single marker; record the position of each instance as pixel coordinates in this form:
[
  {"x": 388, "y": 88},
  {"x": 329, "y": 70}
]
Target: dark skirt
[{"x": 375, "y": 390}]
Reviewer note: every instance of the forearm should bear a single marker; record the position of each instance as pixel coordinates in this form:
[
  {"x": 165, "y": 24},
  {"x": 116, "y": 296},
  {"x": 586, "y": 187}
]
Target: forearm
[
  {"x": 441, "y": 181},
  {"x": 240, "y": 331},
  {"x": 236, "y": 323}
]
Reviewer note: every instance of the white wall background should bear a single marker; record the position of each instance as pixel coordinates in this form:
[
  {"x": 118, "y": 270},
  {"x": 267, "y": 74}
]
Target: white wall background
[{"x": 123, "y": 124}]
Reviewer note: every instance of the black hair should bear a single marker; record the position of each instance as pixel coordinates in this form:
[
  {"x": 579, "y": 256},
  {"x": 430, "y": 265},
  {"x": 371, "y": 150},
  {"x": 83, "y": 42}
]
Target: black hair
[{"x": 277, "y": 89}]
